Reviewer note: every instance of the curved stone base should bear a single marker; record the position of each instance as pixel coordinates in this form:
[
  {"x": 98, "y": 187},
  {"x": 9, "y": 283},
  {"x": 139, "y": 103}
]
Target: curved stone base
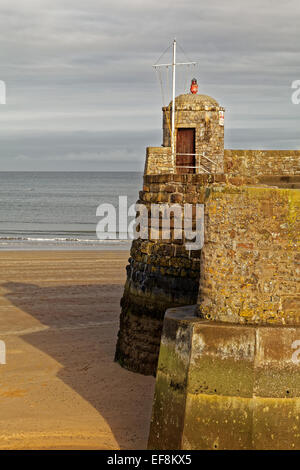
[
  {"x": 226, "y": 386},
  {"x": 159, "y": 276}
]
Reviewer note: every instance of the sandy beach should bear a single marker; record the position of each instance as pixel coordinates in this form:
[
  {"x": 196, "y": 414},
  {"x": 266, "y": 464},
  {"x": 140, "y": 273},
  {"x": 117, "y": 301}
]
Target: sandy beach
[{"x": 60, "y": 388}]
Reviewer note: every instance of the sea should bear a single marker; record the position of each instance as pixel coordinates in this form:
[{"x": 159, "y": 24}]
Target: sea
[{"x": 58, "y": 210}]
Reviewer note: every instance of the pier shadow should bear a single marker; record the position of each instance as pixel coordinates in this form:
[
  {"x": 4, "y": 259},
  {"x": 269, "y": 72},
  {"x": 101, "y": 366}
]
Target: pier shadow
[{"x": 81, "y": 324}]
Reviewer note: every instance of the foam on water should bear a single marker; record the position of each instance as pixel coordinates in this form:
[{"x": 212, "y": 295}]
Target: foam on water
[{"x": 58, "y": 210}]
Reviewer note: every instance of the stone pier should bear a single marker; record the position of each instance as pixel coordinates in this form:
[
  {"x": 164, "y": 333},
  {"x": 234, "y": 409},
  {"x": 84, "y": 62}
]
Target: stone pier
[
  {"x": 229, "y": 367},
  {"x": 228, "y": 348},
  {"x": 161, "y": 273}
]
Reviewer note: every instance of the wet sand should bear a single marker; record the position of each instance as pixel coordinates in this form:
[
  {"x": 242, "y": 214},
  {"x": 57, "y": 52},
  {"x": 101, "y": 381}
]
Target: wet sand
[{"x": 60, "y": 389}]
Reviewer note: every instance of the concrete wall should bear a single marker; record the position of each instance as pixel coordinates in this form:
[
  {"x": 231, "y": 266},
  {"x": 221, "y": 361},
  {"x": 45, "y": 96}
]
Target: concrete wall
[{"x": 225, "y": 386}]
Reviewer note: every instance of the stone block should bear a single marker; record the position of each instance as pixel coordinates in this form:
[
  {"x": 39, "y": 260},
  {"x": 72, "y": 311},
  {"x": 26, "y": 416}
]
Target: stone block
[{"x": 224, "y": 386}]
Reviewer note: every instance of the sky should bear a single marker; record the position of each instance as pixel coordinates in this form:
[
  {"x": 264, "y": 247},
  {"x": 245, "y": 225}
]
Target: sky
[{"x": 82, "y": 94}]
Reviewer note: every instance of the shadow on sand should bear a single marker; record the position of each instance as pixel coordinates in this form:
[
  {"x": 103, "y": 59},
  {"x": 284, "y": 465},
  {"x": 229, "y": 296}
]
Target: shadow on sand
[{"x": 83, "y": 324}]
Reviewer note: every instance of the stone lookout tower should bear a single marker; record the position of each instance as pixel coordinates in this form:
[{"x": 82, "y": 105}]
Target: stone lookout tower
[
  {"x": 228, "y": 373},
  {"x": 199, "y": 136}
]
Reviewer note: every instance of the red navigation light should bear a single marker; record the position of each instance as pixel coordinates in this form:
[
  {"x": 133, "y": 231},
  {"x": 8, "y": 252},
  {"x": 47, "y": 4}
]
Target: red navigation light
[{"x": 194, "y": 86}]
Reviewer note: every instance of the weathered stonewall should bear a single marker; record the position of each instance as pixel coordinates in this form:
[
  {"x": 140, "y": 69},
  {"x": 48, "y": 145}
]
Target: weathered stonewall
[
  {"x": 161, "y": 274},
  {"x": 229, "y": 378}
]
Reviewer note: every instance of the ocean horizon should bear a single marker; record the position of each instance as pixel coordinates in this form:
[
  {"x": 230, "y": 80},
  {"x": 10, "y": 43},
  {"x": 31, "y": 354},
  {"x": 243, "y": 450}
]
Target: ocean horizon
[{"x": 57, "y": 210}]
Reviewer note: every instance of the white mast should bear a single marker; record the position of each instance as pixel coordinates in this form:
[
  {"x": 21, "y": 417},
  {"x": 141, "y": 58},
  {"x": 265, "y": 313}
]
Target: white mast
[
  {"x": 173, "y": 96},
  {"x": 173, "y": 104}
]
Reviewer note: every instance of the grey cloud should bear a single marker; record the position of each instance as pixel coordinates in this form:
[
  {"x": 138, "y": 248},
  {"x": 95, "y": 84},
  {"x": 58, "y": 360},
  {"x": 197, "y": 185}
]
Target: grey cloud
[{"x": 82, "y": 92}]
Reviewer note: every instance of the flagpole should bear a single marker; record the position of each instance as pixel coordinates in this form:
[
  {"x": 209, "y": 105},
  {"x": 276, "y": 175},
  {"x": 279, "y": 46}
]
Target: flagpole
[
  {"x": 173, "y": 105},
  {"x": 173, "y": 64}
]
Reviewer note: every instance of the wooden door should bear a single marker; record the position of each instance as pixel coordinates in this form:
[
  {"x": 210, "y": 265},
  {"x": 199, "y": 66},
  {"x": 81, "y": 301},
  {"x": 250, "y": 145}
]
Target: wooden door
[{"x": 185, "y": 150}]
